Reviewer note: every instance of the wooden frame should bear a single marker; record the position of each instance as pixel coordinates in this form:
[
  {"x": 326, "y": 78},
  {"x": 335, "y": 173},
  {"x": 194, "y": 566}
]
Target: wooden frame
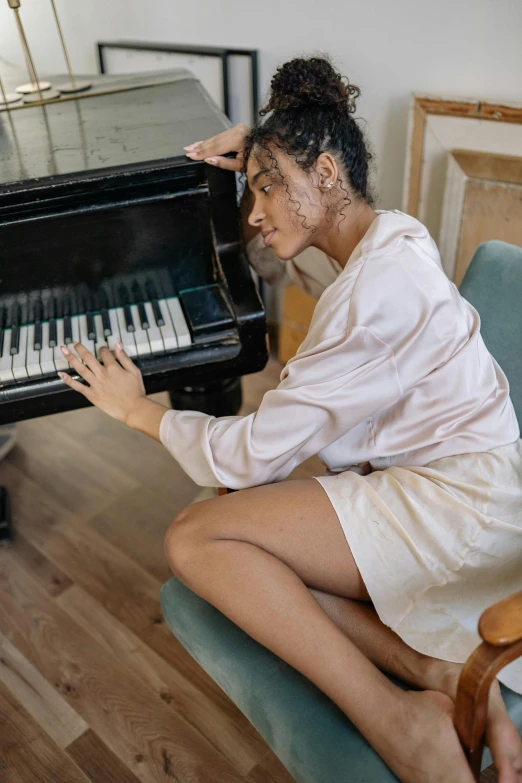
[
  {"x": 500, "y": 627},
  {"x": 425, "y": 105}
]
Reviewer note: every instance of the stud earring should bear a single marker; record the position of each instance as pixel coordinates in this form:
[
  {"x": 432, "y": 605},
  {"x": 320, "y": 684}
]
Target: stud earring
[{"x": 329, "y": 185}]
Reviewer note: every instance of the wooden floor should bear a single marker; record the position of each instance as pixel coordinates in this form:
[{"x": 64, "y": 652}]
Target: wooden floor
[{"x": 93, "y": 686}]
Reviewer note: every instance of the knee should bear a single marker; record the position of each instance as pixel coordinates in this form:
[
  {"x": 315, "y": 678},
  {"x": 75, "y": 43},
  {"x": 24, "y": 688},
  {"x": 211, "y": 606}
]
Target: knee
[{"x": 185, "y": 538}]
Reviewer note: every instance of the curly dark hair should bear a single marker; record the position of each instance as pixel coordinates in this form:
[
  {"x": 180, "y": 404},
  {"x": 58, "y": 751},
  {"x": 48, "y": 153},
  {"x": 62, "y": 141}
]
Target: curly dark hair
[{"x": 311, "y": 107}]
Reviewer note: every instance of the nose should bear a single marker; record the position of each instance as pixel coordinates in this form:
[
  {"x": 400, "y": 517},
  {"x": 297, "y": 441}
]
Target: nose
[{"x": 257, "y": 216}]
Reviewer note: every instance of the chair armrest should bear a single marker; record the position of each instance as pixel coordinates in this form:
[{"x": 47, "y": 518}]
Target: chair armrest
[
  {"x": 501, "y": 628},
  {"x": 501, "y": 624}
]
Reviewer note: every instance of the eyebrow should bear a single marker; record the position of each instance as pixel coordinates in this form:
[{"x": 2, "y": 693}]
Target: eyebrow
[{"x": 259, "y": 174}]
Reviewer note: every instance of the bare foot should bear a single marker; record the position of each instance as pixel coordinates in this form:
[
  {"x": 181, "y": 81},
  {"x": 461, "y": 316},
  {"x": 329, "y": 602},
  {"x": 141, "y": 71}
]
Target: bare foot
[
  {"x": 502, "y": 737},
  {"x": 428, "y": 750}
]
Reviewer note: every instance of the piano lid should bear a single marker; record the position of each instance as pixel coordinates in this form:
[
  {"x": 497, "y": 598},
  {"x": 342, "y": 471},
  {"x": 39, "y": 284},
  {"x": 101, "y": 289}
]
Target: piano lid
[{"x": 117, "y": 123}]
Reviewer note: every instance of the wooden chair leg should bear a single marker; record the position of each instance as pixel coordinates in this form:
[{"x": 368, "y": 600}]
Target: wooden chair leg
[{"x": 471, "y": 706}]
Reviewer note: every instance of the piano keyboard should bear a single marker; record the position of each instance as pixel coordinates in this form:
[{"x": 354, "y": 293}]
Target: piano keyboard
[{"x": 31, "y": 348}]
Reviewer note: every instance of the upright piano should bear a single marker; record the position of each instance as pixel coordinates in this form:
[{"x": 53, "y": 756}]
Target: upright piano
[{"x": 108, "y": 231}]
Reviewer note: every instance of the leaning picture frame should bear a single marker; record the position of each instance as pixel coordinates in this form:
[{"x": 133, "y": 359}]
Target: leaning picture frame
[
  {"x": 230, "y": 75},
  {"x": 439, "y": 125}
]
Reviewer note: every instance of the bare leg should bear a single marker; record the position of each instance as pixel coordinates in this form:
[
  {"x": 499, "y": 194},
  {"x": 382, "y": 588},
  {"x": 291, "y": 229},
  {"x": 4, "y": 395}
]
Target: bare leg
[
  {"x": 386, "y": 650},
  {"x": 249, "y": 554}
]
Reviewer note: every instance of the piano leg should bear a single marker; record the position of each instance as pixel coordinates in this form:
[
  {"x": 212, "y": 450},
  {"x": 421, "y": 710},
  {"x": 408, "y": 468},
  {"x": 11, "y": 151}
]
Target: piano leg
[
  {"x": 5, "y": 515},
  {"x": 220, "y": 398}
]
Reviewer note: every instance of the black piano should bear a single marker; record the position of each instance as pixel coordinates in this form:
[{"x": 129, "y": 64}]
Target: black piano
[{"x": 108, "y": 231}]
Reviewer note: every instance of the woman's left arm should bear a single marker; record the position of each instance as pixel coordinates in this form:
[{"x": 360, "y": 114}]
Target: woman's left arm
[{"x": 116, "y": 387}]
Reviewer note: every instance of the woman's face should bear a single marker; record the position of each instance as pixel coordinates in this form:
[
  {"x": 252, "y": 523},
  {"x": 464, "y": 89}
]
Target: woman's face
[{"x": 288, "y": 202}]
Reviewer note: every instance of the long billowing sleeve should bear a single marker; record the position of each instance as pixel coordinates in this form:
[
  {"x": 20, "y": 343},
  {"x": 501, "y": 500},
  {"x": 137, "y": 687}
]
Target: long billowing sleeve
[{"x": 324, "y": 392}]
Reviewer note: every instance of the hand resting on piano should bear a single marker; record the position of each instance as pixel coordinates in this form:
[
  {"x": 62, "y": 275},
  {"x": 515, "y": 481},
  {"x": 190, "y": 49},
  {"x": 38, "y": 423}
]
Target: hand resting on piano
[{"x": 116, "y": 387}]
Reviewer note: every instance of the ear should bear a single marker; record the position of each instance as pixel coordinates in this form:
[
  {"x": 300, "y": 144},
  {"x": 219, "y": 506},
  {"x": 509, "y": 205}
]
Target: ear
[{"x": 326, "y": 171}]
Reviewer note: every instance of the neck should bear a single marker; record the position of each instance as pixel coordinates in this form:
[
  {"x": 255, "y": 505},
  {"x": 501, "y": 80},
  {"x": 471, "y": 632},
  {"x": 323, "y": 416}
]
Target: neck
[{"x": 339, "y": 243}]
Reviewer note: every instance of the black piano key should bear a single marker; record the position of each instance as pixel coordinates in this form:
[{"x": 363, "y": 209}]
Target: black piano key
[
  {"x": 143, "y": 316},
  {"x": 67, "y": 323},
  {"x": 91, "y": 326},
  {"x": 139, "y": 301},
  {"x": 129, "y": 321},
  {"x": 153, "y": 298},
  {"x": 124, "y": 303},
  {"x": 15, "y": 328},
  {"x": 67, "y": 330},
  {"x": 104, "y": 312},
  {"x": 90, "y": 307},
  {"x": 37, "y": 316},
  {"x": 51, "y": 315},
  {"x": 53, "y": 334},
  {"x": 2, "y": 321}
]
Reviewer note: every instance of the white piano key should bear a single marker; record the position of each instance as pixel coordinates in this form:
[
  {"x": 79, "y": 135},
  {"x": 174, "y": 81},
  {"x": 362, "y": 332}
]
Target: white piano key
[
  {"x": 115, "y": 327},
  {"x": 60, "y": 362},
  {"x": 47, "y": 353},
  {"x": 168, "y": 333},
  {"x": 126, "y": 337},
  {"x": 20, "y": 358},
  {"x": 84, "y": 336},
  {"x": 75, "y": 329},
  {"x": 6, "y": 360},
  {"x": 33, "y": 357},
  {"x": 154, "y": 333},
  {"x": 178, "y": 321},
  {"x": 101, "y": 342},
  {"x": 140, "y": 335}
]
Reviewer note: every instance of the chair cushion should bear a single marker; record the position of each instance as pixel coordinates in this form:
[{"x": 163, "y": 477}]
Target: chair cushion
[
  {"x": 493, "y": 285},
  {"x": 305, "y": 729}
]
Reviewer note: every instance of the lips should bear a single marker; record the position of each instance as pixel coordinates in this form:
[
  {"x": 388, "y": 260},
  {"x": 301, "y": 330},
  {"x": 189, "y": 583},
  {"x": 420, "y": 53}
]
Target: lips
[{"x": 267, "y": 236}]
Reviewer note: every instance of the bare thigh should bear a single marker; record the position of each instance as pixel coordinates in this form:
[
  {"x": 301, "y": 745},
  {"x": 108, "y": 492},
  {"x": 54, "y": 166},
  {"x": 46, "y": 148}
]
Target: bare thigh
[{"x": 293, "y": 520}]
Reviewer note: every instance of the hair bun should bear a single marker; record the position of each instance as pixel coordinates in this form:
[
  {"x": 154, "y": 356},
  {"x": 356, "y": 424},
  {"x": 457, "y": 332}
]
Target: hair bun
[{"x": 313, "y": 81}]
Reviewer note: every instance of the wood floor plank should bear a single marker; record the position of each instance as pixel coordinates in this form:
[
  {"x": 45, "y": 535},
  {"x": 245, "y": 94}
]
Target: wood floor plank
[
  {"x": 136, "y": 524},
  {"x": 98, "y": 762},
  {"x": 270, "y": 770},
  {"x": 27, "y": 753},
  {"x": 122, "y": 586},
  {"x": 148, "y": 737},
  {"x": 38, "y": 697},
  {"x": 47, "y": 573},
  {"x": 229, "y": 732},
  {"x": 78, "y": 479}
]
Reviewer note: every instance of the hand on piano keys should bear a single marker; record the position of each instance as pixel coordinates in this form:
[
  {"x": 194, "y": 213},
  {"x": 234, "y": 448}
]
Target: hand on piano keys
[
  {"x": 116, "y": 386},
  {"x": 147, "y": 320}
]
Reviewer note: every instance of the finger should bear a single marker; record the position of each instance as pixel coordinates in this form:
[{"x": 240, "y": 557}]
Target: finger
[
  {"x": 76, "y": 385},
  {"x": 76, "y": 363},
  {"x": 88, "y": 358},
  {"x": 124, "y": 359},
  {"x": 231, "y": 140},
  {"x": 107, "y": 357},
  {"x": 230, "y": 164}
]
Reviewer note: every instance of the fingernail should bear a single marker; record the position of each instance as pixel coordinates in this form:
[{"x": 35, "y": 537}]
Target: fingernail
[
  {"x": 61, "y": 375},
  {"x": 191, "y": 146},
  {"x": 119, "y": 345},
  {"x": 65, "y": 351},
  {"x": 192, "y": 154},
  {"x": 211, "y": 160}
]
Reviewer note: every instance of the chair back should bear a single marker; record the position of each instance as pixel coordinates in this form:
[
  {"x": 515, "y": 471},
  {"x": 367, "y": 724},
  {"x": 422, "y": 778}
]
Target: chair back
[{"x": 493, "y": 285}]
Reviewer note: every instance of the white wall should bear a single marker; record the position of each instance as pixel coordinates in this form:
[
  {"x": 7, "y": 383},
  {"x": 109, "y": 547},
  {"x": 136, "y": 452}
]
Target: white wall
[{"x": 456, "y": 47}]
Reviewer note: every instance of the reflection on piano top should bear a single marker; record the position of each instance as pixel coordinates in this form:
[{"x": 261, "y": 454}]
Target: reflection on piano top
[{"x": 123, "y": 120}]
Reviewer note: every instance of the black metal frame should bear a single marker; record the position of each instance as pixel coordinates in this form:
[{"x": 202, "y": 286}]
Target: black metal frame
[{"x": 223, "y": 53}]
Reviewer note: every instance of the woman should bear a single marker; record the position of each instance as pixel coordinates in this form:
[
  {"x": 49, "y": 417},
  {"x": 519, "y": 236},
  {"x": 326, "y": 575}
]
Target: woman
[{"x": 395, "y": 390}]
